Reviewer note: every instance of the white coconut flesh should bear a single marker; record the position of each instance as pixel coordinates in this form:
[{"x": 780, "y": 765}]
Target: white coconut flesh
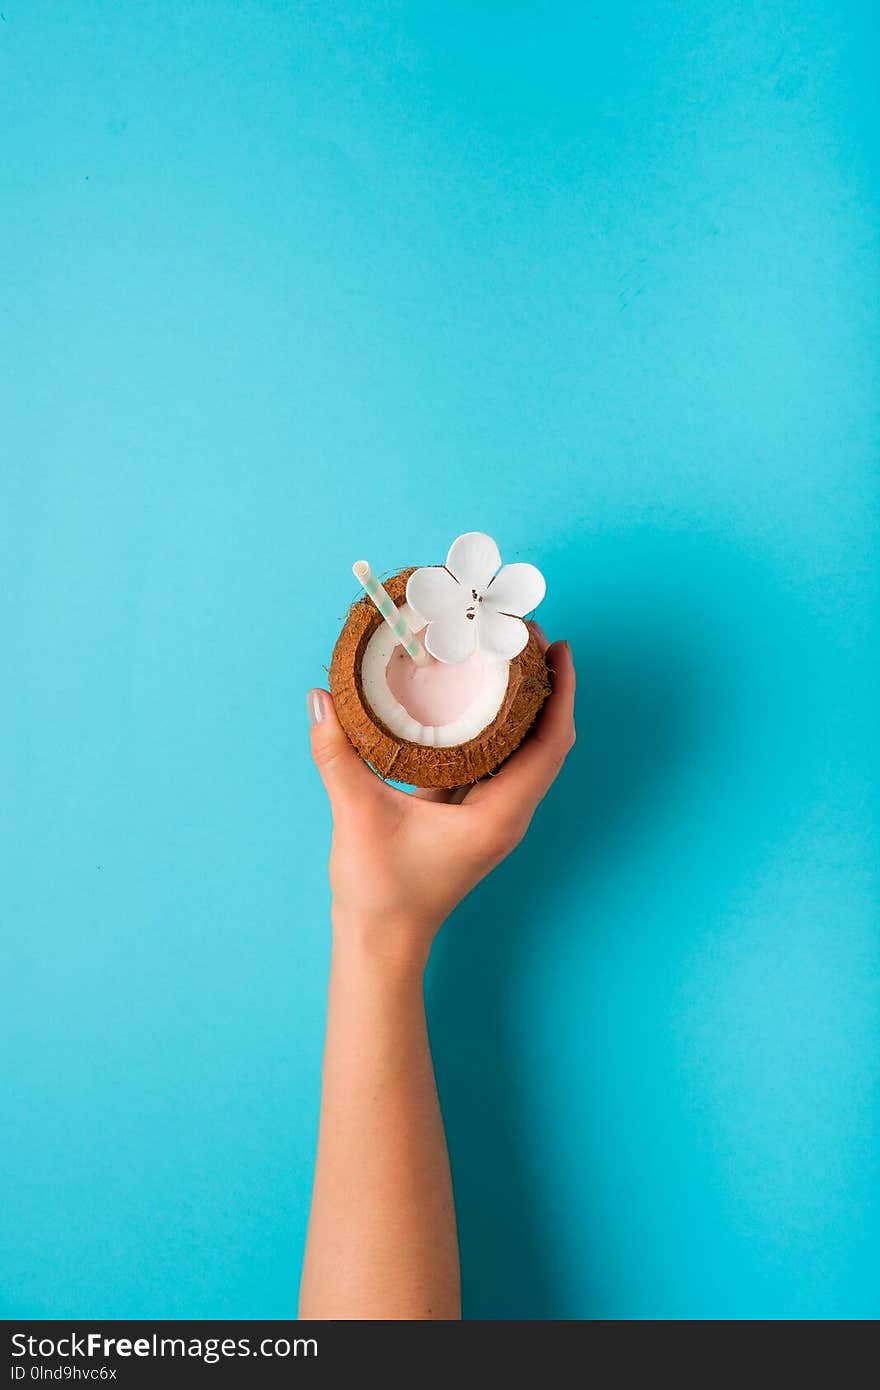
[{"x": 438, "y": 706}]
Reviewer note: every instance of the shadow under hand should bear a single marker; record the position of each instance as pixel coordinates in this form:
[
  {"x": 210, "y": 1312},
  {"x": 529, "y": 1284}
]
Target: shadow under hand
[{"x": 630, "y": 709}]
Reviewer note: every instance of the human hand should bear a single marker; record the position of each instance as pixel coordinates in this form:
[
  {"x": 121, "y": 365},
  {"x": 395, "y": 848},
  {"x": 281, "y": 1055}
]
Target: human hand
[{"x": 400, "y": 863}]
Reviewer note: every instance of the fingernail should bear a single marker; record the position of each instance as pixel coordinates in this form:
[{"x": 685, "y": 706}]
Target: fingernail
[{"x": 316, "y": 704}]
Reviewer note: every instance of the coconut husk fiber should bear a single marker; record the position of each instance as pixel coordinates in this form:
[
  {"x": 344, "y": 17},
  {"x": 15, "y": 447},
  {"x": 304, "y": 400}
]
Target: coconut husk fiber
[{"x": 527, "y": 689}]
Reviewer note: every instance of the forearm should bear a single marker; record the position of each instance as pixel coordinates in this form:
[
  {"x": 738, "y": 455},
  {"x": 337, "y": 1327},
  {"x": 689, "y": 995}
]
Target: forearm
[{"x": 382, "y": 1240}]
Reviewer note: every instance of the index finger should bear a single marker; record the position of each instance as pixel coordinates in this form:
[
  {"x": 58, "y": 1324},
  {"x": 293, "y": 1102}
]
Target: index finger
[{"x": 533, "y": 768}]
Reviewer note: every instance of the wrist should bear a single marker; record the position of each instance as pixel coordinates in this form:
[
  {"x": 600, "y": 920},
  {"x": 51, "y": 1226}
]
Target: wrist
[{"x": 389, "y": 948}]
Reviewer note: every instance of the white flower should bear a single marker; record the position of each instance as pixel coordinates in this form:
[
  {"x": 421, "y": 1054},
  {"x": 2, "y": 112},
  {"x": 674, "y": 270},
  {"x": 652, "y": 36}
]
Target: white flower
[{"x": 474, "y": 601}]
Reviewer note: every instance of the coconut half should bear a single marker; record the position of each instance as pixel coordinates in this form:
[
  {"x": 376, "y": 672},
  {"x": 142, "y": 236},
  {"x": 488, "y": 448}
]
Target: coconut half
[{"x": 439, "y": 726}]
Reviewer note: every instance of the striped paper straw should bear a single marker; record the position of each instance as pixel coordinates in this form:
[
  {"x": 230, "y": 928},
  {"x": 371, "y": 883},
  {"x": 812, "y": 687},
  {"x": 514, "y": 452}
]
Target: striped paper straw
[{"x": 391, "y": 613}]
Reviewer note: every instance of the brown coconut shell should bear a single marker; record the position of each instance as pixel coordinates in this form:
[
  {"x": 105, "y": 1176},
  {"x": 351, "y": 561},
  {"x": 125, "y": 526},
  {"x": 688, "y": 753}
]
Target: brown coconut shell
[{"x": 404, "y": 761}]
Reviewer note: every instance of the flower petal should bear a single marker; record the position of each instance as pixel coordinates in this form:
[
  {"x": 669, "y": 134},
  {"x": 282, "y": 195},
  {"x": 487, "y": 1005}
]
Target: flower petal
[
  {"x": 473, "y": 559},
  {"x": 452, "y": 639},
  {"x": 433, "y": 592},
  {"x": 516, "y": 589},
  {"x": 499, "y": 636}
]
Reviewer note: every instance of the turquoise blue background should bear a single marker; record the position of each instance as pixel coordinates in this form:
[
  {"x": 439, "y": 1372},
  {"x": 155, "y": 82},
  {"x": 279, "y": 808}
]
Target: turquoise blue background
[{"x": 285, "y": 284}]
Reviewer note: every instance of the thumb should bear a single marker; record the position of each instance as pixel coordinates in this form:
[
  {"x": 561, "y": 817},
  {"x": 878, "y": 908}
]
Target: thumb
[{"x": 342, "y": 771}]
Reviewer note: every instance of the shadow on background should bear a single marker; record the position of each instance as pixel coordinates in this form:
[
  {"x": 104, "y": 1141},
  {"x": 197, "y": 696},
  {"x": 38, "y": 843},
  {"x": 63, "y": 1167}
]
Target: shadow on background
[{"x": 631, "y": 709}]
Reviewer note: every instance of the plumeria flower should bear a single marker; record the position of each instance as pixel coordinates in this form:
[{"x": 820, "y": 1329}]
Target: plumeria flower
[{"x": 475, "y": 602}]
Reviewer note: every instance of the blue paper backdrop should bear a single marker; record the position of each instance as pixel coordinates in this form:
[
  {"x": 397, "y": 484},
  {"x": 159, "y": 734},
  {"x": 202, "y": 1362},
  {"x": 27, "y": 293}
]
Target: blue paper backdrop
[{"x": 283, "y": 284}]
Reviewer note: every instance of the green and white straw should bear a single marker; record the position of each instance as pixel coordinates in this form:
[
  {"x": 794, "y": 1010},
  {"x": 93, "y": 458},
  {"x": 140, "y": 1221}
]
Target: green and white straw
[{"x": 391, "y": 613}]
